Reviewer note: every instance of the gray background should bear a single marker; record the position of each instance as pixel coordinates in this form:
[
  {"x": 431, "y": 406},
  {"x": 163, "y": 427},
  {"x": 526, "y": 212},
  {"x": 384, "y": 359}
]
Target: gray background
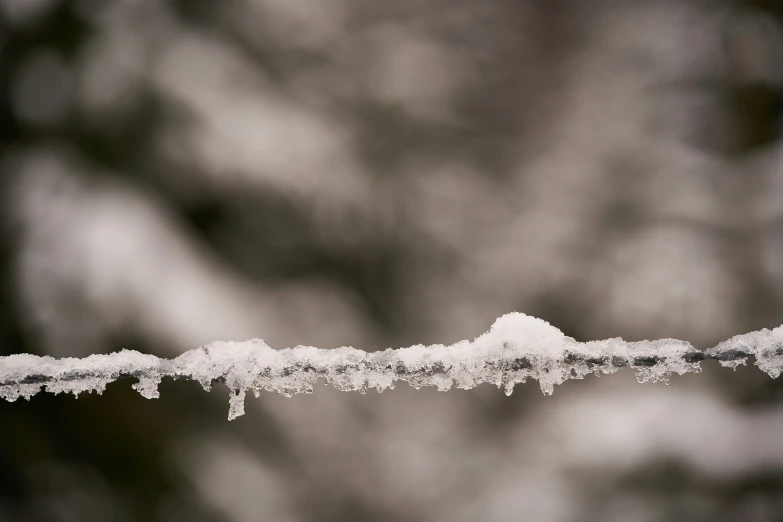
[{"x": 379, "y": 174}]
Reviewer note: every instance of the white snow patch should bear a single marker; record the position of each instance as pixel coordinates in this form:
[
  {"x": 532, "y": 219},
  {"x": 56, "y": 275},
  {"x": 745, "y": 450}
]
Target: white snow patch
[{"x": 517, "y": 347}]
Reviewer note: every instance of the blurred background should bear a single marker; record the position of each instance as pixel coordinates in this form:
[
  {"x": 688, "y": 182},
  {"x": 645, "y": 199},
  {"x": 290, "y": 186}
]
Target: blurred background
[{"x": 380, "y": 174}]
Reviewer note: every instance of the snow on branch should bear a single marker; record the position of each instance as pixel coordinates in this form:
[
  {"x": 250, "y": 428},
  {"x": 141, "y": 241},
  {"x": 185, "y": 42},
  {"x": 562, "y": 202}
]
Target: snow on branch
[{"x": 517, "y": 347}]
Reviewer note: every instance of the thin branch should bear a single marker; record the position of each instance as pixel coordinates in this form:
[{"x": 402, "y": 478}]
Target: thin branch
[
  {"x": 515, "y": 364},
  {"x": 516, "y": 348}
]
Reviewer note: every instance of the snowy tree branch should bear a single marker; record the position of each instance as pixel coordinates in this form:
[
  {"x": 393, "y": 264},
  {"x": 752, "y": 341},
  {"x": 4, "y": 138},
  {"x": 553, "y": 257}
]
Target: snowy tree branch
[{"x": 516, "y": 348}]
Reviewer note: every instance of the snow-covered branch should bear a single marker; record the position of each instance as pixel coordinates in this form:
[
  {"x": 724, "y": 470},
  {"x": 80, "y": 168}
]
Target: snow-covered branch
[{"x": 517, "y": 347}]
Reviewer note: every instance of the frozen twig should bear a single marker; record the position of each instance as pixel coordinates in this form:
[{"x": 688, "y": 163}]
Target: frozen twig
[{"x": 516, "y": 348}]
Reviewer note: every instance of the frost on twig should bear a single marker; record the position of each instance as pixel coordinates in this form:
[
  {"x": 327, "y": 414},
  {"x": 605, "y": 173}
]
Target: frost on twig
[
  {"x": 766, "y": 346},
  {"x": 517, "y": 347}
]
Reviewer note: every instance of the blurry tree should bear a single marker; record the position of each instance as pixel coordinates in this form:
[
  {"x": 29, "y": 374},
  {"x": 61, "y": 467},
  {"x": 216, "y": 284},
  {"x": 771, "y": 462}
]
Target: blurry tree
[{"x": 378, "y": 174}]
